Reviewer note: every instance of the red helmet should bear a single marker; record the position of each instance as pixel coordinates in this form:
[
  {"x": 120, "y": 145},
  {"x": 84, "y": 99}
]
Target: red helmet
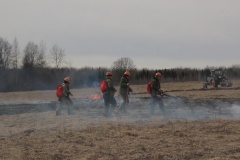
[
  {"x": 108, "y": 74},
  {"x": 127, "y": 73},
  {"x": 158, "y": 74},
  {"x": 68, "y": 79}
]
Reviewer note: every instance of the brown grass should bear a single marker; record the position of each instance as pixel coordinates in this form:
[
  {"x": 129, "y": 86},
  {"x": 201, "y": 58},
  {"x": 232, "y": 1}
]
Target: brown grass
[{"x": 89, "y": 135}]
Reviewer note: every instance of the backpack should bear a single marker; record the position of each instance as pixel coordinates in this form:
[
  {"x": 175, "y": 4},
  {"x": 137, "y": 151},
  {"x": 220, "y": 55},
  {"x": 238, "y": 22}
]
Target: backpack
[
  {"x": 103, "y": 85},
  {"x": 149, "y": 87},
  {"x": 59, "y": 90}
]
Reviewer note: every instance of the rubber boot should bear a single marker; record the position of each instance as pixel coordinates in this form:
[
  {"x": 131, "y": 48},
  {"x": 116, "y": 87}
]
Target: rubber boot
[{"x": 58, "y": 113}]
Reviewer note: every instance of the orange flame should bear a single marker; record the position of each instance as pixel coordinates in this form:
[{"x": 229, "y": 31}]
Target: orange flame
[{"x": 96, "y": 97}]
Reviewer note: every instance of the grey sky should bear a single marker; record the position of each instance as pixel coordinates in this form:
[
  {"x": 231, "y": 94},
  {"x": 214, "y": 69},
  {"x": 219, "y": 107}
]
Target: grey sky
[{"x": 155, "y": 34}]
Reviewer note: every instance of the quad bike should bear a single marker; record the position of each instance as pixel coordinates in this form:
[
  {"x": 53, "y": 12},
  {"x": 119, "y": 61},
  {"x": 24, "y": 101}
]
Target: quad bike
[{"x": 217, "y": 77}]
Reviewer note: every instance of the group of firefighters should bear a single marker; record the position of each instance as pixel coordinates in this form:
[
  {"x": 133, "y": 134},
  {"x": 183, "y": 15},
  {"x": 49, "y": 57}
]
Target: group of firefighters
[{"x": 108, "y": 95}]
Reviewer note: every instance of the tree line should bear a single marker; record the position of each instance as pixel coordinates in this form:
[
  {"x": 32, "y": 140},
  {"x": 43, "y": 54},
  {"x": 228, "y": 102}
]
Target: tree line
[
  {"x": 49, "y": 78},
  {"x": 33, "y": 72},
  {"x": 33, "y": 55}
]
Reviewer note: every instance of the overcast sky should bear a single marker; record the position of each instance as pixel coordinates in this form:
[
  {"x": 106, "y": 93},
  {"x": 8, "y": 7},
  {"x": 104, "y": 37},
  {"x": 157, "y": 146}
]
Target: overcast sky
[{"x": 155, "y": 34}]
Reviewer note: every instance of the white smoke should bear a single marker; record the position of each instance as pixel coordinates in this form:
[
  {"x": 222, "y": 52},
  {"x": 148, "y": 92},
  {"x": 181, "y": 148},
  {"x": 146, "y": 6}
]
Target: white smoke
[{"x": 235, "y": 109}]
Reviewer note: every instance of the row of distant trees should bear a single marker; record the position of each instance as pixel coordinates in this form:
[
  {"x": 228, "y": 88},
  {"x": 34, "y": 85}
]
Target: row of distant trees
[
  {"x": 29, "y": 70},
  {"x": 33, "y": 55},
  {"x": 47, "y": 78}
]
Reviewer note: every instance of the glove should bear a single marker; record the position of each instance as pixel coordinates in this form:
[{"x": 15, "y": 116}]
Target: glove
[
  {"x": 130, "y": 89},
  {"x": 160, "y": 91}
]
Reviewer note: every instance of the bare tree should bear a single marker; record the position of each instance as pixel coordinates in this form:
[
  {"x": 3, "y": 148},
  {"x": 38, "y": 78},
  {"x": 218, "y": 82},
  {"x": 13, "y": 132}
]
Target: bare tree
[
  {"x": 124, "y": 64},
  {"x": 15, "y": 53},
  {"x": 57, "y": 56},
  {"x": 121, "y": 65},
  {"x": 5, "y": 53},
  {"x": 33, "y": 56},
  {"x": 41, "y": 55}
]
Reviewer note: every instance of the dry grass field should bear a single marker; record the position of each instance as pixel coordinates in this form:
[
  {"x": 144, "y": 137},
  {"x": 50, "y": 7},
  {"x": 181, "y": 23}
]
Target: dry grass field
[{"x": 200, "y": 125}]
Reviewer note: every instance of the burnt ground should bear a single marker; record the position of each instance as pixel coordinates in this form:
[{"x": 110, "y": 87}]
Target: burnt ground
[
  {"x": 203, "y": 127},
  {"x": 177, "y": 107}
]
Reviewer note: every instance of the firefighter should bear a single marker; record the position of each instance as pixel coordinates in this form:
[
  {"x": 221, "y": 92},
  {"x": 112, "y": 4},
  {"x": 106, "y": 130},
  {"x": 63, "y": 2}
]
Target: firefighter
[
  {"x": 124, "y": 90},
  {"x": 108, "y": 95},
  {"x": 156, "y": 94},
  {"x": 65, "y": 99}
]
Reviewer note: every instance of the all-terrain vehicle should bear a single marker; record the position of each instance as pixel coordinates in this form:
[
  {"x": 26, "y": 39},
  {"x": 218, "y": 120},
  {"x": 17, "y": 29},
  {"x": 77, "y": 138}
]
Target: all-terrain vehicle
[{"x": 217, "y": 77}]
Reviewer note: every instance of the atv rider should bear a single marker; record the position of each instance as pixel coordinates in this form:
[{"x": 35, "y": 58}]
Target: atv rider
[
  {"x": 65, "y": 99},
  {"x": 124, "y": 90},
  {"x": 156, "y": 94},
  {"x": 108, "y": 95}
]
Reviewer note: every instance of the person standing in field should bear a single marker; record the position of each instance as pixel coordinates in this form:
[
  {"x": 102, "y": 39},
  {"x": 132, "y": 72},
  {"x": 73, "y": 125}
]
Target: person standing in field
[
  {"x": 108, "y": 95},
  {"x": 65, "y": 100},
  {"x": 156, "y": 94},
  {"x": 124, "y": 90}
]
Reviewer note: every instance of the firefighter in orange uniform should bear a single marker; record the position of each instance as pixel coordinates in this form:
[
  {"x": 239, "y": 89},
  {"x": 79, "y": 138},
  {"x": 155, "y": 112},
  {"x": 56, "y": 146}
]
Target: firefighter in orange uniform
[
  {"x": 65, "y": 99},
  {"x": 124, "y": 90},
  {"x": 156, "y": 94},
  {"x": 108, "y": 95}
]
